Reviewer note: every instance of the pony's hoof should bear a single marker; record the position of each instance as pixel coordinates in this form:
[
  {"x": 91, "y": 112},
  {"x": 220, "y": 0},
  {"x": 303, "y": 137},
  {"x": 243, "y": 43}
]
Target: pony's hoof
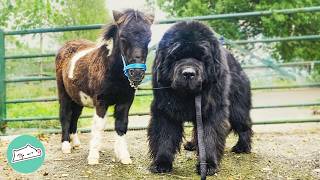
[
  {"x": 75, "y": 142},
  {"x": 93, "y": 157},
  {"x": 93, "y": 161},
  {"x": 126, "y": 161},
  {"x": 123, "y": 160},
  {"x": 66, "y": 147},
  {"x": 76, "y": 146}
]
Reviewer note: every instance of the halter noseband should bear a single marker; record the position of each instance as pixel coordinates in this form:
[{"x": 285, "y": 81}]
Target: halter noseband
[{"x": 126, "y": 69}]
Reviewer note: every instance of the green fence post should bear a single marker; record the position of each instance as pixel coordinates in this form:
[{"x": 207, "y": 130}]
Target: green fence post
[{"x": 3, "y": 124}]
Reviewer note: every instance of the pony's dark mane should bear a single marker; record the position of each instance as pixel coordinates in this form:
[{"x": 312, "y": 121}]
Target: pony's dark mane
[
  {"x": 110, "y": 30},
  {"x": 130, "y": 14}
]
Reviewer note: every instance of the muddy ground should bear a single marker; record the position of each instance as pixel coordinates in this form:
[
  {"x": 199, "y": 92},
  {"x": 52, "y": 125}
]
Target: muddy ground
[{"x": 287, "y": 151}]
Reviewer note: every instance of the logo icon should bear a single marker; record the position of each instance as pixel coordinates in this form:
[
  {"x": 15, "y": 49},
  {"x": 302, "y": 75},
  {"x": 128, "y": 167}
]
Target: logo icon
[{"x": 25, "y": 154}]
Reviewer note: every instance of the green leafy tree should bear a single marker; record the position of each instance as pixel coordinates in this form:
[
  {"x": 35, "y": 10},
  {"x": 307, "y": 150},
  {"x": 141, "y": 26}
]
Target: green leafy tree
[
  {"x": 277, "y": 25},
  {"x": 28, "y": 14}
]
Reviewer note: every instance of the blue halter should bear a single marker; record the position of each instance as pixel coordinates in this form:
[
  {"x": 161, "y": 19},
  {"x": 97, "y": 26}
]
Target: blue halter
[{"x": 131, "y": 66}]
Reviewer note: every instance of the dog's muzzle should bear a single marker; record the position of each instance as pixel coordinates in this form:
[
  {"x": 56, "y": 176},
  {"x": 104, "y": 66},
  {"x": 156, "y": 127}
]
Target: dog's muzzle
[{"x": 187, "y": 78}]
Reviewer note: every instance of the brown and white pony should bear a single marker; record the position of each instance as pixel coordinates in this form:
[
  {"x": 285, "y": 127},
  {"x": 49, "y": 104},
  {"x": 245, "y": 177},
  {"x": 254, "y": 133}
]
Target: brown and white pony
[{"x": 91, "y": 75}]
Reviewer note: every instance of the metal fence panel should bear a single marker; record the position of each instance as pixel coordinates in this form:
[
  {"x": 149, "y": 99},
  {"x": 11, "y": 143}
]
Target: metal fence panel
[
  {"x": 2, "y": 81},
  {"x": 3, "y": 58}
]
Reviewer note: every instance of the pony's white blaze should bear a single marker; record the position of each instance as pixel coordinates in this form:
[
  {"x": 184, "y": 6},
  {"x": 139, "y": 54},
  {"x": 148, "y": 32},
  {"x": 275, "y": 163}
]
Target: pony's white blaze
[
  {"x": 75, "y": 59},
  {"x": 121, "y": 150},
  {"x": 96, "y": 136},
  {"x": 86, "y": 100},
  {"x": 75, "y": 142},
  {"x": 66, "y": 147}
]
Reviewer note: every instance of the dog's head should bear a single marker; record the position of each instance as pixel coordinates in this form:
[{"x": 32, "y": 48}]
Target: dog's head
[{"x": 186, "y": 55}]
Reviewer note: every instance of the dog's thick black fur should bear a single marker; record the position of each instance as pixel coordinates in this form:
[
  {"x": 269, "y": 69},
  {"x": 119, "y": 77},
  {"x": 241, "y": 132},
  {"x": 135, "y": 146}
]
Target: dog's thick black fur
[{"x": 191, "y": 61}]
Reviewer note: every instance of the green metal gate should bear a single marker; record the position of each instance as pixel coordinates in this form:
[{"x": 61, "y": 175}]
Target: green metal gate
[{"x": 3, "y": 58}]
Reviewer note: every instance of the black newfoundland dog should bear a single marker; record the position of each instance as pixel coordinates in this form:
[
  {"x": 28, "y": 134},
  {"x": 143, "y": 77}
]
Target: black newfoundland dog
[{"x": 191, "y": 61}]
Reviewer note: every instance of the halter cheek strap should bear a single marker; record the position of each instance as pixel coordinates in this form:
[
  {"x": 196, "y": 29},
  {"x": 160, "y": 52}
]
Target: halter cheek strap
[{"x": 131, "y": 66}]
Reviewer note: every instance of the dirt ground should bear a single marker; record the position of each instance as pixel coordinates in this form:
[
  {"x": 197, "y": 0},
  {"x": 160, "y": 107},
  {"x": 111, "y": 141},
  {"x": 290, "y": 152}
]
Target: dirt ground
[{"x": 286, "y": 151}]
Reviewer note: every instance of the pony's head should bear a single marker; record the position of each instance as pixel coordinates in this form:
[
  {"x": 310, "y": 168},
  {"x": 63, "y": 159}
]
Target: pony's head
[{"x": 131, "y": 33}]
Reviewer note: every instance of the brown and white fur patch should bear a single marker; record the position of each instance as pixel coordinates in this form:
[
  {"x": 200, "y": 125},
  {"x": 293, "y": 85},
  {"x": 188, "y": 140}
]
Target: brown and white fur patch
[
  {"x": 85, "y": 52},
  {"x": 76, "y": 58}
]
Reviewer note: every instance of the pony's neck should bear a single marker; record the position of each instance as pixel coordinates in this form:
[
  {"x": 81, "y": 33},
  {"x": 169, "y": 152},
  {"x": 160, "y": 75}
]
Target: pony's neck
[{"x": 116, "y": 61}]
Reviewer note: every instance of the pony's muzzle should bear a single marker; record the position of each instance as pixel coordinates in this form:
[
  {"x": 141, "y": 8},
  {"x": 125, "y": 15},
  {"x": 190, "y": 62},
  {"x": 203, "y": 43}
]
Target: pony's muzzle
[{"x": 136, "y": 75}]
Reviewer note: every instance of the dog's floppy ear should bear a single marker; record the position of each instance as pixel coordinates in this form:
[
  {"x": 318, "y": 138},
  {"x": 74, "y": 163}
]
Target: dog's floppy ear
[
  {"x": 109, "y": 32},
  {"x": 156, "y": 66},
  {"x": 216, "y": 67}
]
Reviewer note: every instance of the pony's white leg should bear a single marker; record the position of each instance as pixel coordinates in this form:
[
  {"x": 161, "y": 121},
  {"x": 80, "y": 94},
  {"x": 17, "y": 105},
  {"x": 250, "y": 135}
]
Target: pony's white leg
[
  {"x": 96, "y": 136},
  {"x": 75, "y": 142},
  {"x": 66, "y": 147},
  {"x": 121, "y": 150}
]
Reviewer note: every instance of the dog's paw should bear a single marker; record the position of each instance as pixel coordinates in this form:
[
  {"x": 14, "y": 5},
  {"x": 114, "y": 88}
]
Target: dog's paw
[
  {"x": 161, "y": 167},
  {"x": 211, "y": 169},
  {"x": 240, "y": 148},
  {"x": 190, "y": 146}
]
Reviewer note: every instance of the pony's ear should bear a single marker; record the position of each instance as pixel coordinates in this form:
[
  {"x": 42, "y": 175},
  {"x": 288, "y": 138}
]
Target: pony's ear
[
  {"x": 110, "y": 32},
  {"x": 117, "y": 16},
  {"x": 150, "y": 17}
]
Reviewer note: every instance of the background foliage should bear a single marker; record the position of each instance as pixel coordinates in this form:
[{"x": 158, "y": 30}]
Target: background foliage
[
  {"x": 28, "y": 14},
  {"x": 269, "y": 26}
]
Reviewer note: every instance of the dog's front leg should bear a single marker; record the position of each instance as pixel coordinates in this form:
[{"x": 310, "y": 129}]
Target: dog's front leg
[{"x": 165, "y": 137}]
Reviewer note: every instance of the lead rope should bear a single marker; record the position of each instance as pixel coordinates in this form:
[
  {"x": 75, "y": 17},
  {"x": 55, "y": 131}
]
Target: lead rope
[{"x": 200, "y": 133}]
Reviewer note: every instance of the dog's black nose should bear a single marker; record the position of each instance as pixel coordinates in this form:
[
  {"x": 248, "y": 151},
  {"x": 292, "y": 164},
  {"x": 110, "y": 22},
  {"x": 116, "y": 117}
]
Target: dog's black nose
[{"x": 188, "y": 73}]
